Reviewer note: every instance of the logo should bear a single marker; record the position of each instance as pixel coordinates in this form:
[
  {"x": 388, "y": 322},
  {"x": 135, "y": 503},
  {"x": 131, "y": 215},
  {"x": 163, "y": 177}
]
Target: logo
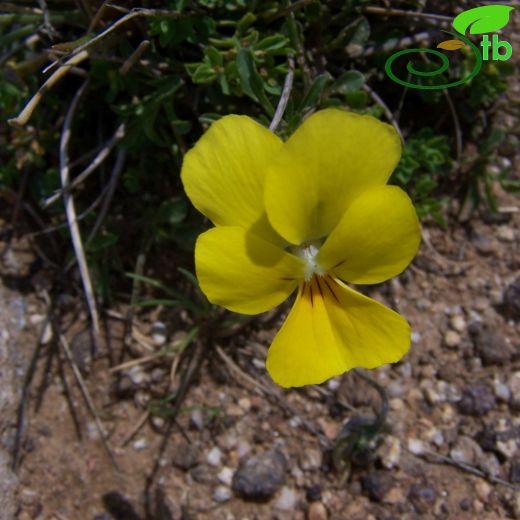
[{"x": 480, "y": 20}]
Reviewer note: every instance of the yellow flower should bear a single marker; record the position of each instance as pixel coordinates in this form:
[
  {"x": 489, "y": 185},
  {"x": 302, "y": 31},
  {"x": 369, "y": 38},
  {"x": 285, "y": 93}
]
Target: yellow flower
[{"x": 308, "y": 214}]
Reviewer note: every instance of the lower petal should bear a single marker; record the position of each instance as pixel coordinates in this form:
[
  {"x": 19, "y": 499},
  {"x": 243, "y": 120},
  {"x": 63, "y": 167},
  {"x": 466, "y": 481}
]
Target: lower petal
[
  {"x": 331, "y": 329},
  {"x": 243, "y": 272}
]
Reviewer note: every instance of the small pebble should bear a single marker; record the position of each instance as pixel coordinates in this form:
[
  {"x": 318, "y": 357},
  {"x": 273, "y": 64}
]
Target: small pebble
[
  {"x": 317, "y": 511},
  {"x": 458, "y": 323},
  {"x": 477, "y": 400},
  {"x": 159, "y": 333},
  {"x": 222, "y": 494},
  {"x": 286, "y": 500},
  {"x": 505, "y": 234},
  {"x": 390, "y": 452},
  {"x": 502, "y": 391},
  {"x": 214, "y": 457},
  {"x": 140, "y": 444},
  {"x": 261, "y": 476},
  {"x": 197, "y": 419},
  {"x": 225, "y": 476},
  {"x": 417, "y": 447},
  {"x": 452, "y": 339},
  {"x": 466, "y": 450}
]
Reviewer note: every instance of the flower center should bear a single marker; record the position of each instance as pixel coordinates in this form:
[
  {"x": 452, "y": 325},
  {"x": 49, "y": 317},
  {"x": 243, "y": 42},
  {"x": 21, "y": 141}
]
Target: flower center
[{"x": 308, "y": 253}]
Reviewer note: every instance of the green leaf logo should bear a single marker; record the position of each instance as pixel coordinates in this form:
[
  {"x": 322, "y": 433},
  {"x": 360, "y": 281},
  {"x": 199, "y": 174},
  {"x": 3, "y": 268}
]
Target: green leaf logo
[{"x": 485, "y": 19}]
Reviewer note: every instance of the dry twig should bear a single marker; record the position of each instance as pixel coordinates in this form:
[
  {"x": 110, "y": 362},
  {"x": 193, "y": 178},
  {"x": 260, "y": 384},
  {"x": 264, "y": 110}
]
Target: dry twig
[
  {"x": 96, "y": 162},
  {"x": 284, "y": 98},
  {"x": 27, "y": 111},
  {"x": 71, "y": 213},
  {"x": 87, "y": 398}
]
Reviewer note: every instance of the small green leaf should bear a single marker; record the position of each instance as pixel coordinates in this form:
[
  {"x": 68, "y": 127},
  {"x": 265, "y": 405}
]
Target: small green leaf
[
  {"x": 251, "y": 82},
  {"x": 484, "y": 19},
  {"x": 349, "y": 81},
  {"x": 312, "y": 98}
]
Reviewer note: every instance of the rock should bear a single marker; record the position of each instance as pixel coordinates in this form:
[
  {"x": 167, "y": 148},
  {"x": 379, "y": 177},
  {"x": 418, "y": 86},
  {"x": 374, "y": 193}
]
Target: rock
[
  {"x": 483, "y": 490},
  {"x": 511, "y": 299},
  {"x": 452, "y": 339},
  {"x": 423, "y": 497},
  {"x": 483, "y": 245},
  {"x": 286, "y": 500},
  {"x": 505, "y": 234},
  {"x": 243, "y": 448},
  {"x": 222, "y": 494},
  {"x": 214, "y": 456},
  {"x": 185, "y": 455},
  {"x": 477, "y": 399},
  {"x": 313, "y": 493},
  {"x": 458, "y": 323},
  {"x": 390, "y": 452},
  {"x": 159, "y": 333},
  {"x": 490, "y": 465},
  {"x": 466, "y": 450},
  {"x": 225, "y": 476},
  {"x": 311, "y": 459},
  {"x": 140, "y": 444},
  {"x": 317, "y": 511},
  {"x": 394, "y": 496},
  {"x": 417, "y": 447},
  {"x": 490, "y": 345},
  {"x": 261, "y": 476},
  {"x": 197, "y": 419},
  {"x": 377, "y": 484},
  {"x": 502, "y": 392}
]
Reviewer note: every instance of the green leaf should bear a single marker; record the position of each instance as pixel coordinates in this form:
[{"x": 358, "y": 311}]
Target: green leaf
[
  {"x": 484, "y": 19},
  {"x": 313, "y": 95},
  {"x": 251, "y": 82},
  {"x": 172, "y": 211},
  {"x": 349, "y": 81}
]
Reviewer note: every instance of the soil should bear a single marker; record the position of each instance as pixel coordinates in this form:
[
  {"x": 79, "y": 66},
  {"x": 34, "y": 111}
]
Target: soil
[{"x": 454, "y": 402}]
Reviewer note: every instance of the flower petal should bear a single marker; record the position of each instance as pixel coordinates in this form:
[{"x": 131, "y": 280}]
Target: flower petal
[
  {"x": 242, "y": 272},
  {"x": 223, "y": 174},
  {"x": 326, "y": 163},
  {"x": 331, "y": 329},
  {"x": 376, "y": 239}
]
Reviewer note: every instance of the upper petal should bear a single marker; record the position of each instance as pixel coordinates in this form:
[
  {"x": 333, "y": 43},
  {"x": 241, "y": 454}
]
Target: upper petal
[
  {"x": 242, "y": 272},
  {"x": 223, "y": 174},
  {"x": 376, "y": 239},
  {"x": 325, "y": 164},
  {"x": 331, "y": 329}
]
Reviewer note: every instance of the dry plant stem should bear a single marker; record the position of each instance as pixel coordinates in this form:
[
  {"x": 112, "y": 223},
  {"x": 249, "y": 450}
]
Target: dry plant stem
[
  {"x": 134, "y": 57},
  {"x": 87, "y": 398},
  {"x": 114, "y": 178},
  {"x": 20, "y": 419},
  {"x": 71, "y": 213},
  {"x": 138, "y": 425},
  {"x": 284, "y": 98},
  {"x": 26, "y": 113},
  {"x": 135, "y": 13},
  {"x": 97, "y": 17},
  {"x": 388, "y": 112},
  {"x": 96, "y": 162},
  {"x": 411, "y": 14},
  {"x": 437, "y": 458}
]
